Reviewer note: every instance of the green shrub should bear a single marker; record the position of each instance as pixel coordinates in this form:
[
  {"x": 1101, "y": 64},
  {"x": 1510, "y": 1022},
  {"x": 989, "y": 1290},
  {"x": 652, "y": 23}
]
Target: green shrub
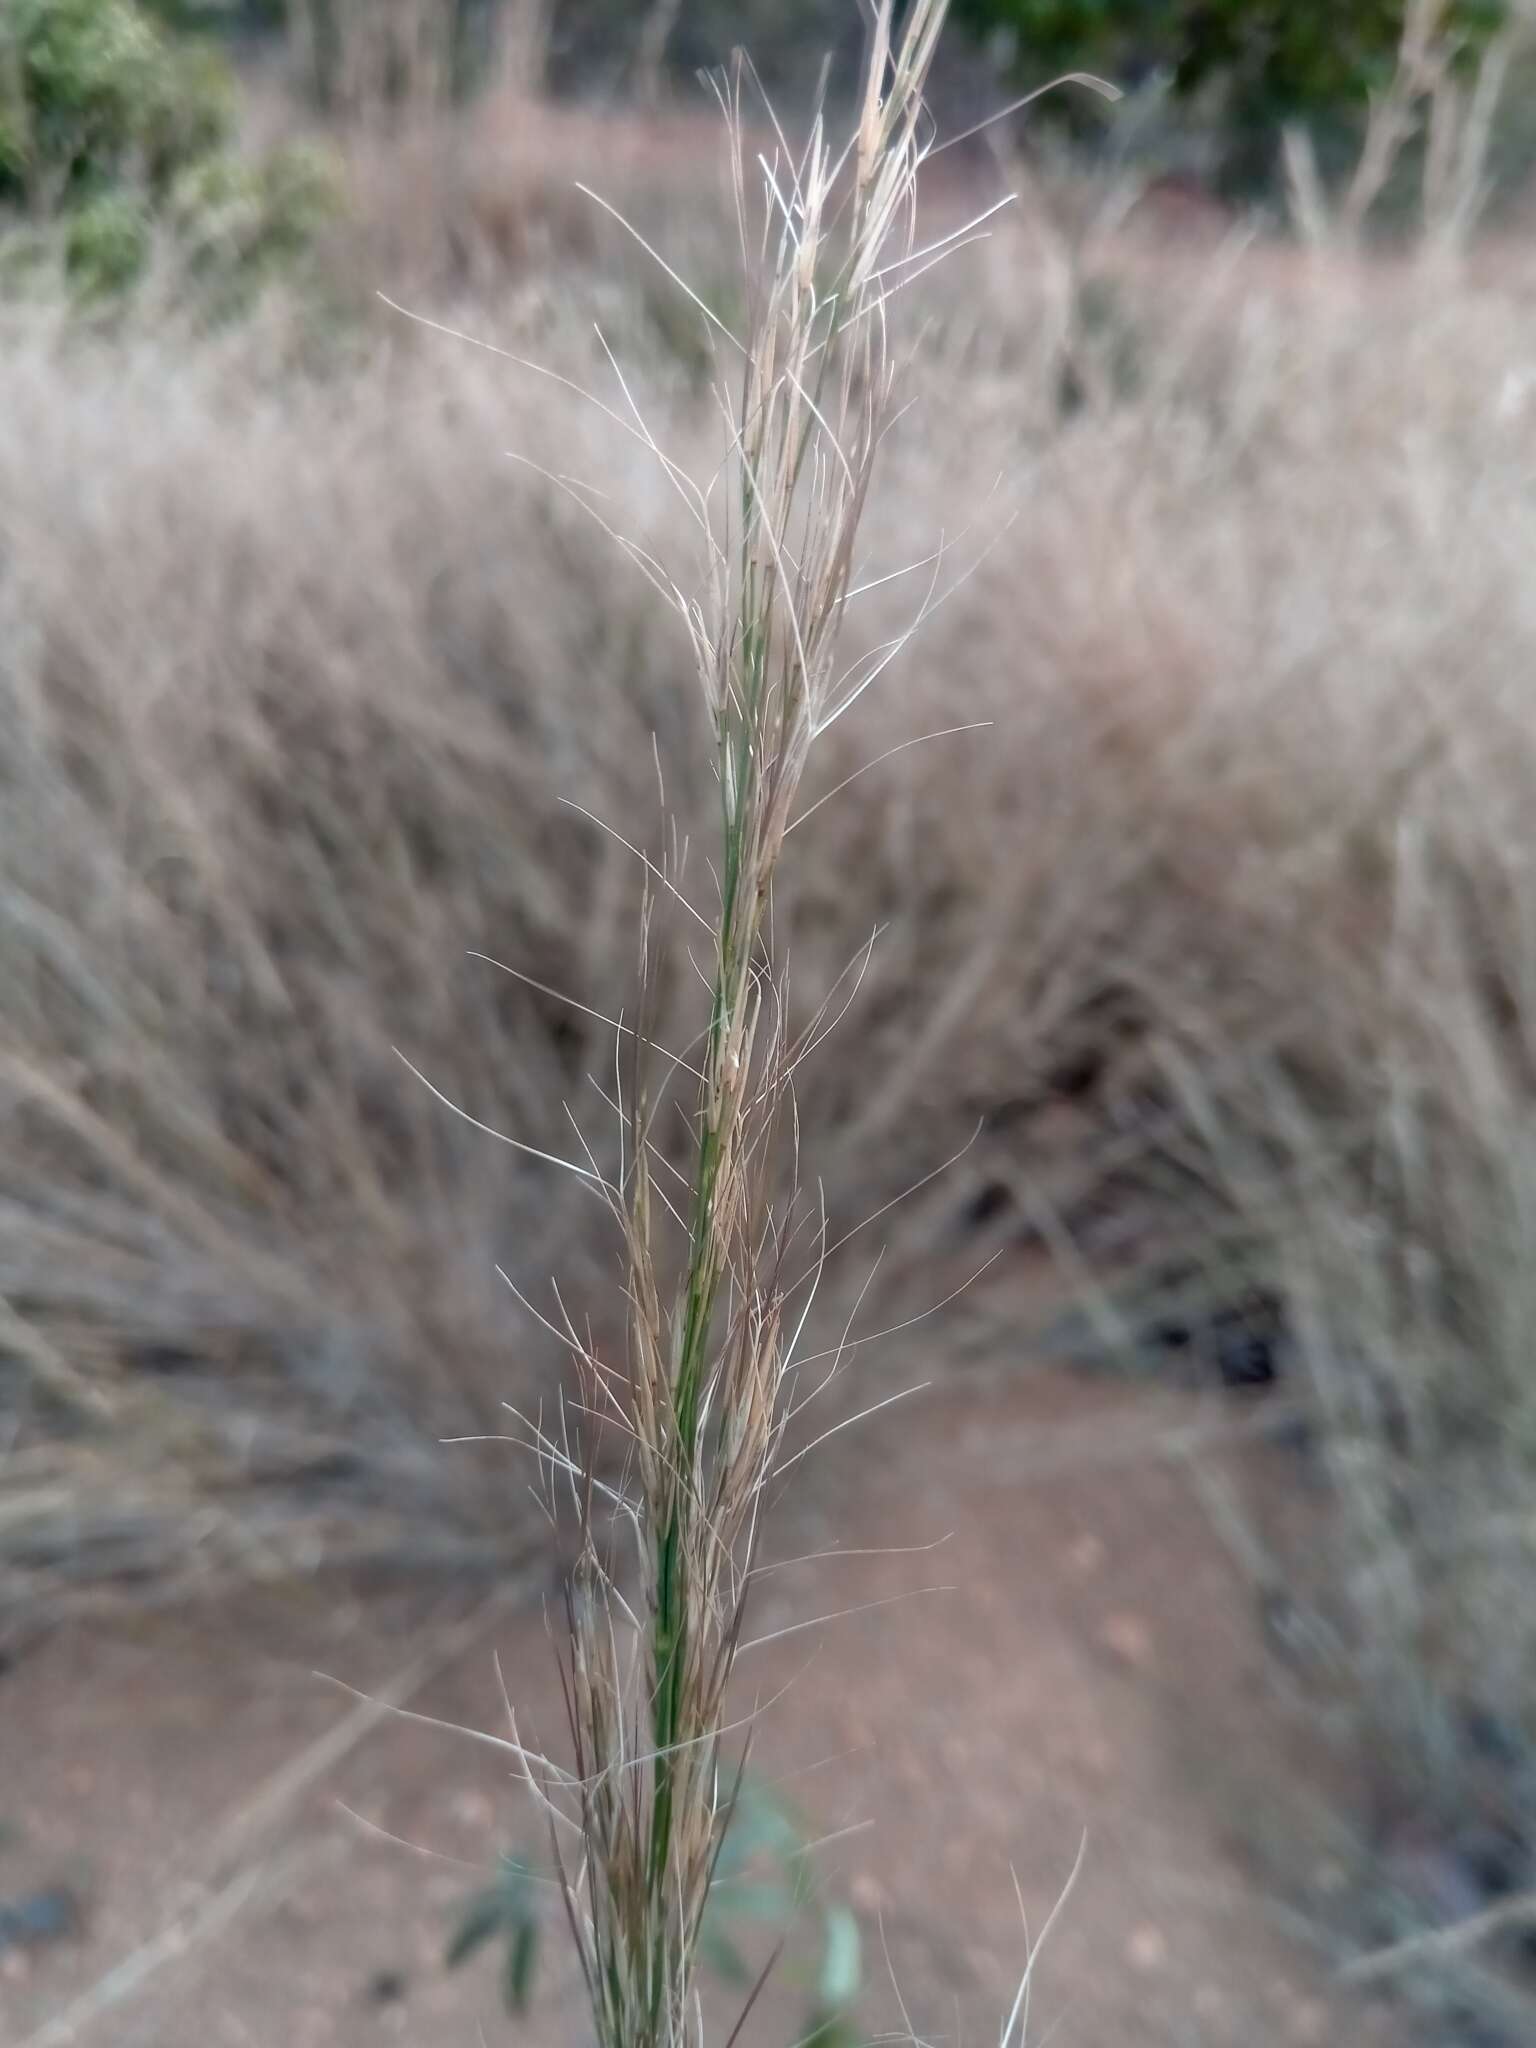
[
  {"x": 190, "y": 111},
  {"x": 106, "y": 244},
  {"x": 112, "y": 123},
  {"x": 237, "y": 220},
  {"x": 86, "y": 73},
  {"x": 1291, "y": 57},
  {"x": 13, "y": 145},
  {"x": 1266, "y": 62}
]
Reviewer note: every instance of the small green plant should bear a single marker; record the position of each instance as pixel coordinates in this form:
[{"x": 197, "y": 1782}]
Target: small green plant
[
  {"x": 505, "y": 1912},
  {"x": 761, "y": 1890}
]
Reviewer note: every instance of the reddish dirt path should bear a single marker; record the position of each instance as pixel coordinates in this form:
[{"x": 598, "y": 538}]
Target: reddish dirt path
[{"x": 1097, "y": 1669}]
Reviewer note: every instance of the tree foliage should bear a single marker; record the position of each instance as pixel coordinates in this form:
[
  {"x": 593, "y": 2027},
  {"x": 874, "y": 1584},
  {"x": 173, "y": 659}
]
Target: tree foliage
[{"x": 1274, "y": 59}]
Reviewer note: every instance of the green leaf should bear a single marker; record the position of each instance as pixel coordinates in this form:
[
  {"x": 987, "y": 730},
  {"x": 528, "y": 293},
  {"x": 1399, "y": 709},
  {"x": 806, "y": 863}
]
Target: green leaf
[
  {"x": 507, "y": 1911},
  {"x": 522, "y": 1954},
  {"x": 484, "y": 1917},
  {"x": 841, "y": 1967}
]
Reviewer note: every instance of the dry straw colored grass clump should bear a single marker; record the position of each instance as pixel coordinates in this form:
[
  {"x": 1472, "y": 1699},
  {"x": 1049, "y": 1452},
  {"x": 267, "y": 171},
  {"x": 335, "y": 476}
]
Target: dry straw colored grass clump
[{"x": 306, "y": 690}]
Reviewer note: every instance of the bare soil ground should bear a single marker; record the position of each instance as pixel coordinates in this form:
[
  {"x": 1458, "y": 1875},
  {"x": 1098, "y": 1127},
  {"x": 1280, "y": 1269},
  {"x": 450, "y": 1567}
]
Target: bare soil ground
[{"x": 1095, "y": 1665}]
